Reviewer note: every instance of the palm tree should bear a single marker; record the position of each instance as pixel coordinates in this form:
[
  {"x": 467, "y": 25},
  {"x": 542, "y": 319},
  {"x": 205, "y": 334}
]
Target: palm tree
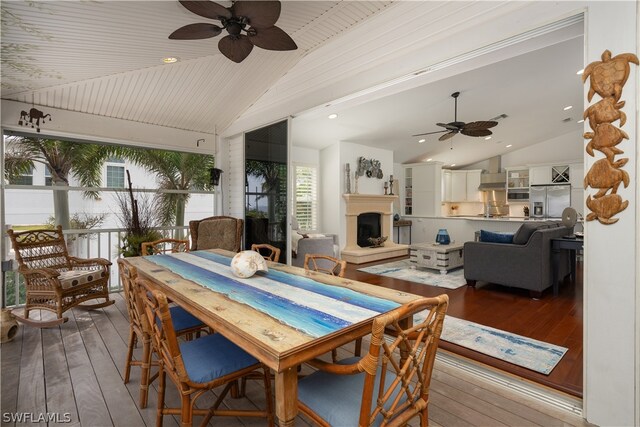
[
  {"x": 63, "y": 159},
  {"x": 174, "y": 171}
]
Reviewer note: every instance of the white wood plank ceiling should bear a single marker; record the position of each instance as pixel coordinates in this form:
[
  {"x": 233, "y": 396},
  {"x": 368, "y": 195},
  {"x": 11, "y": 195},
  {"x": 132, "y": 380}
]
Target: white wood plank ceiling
[{"x": 105, "y": 58}]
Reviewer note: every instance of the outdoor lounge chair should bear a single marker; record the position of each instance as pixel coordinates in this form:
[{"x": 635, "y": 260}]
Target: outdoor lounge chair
[{"x": 54, "y": 280}]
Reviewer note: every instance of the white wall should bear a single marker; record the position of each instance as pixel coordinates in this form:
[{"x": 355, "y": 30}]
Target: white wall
[
  {"x": 611, "y": 285},
  {"x": 331, "y": 189},
  {"x": 306, "y": 156}
]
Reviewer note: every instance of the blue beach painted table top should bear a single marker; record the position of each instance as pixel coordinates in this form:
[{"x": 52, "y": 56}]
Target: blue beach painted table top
[{"x": 284, "y": 308}]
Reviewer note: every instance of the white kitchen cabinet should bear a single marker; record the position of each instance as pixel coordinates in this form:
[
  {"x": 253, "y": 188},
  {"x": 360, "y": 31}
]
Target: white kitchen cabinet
[
  {"x": 576, "y": 171},
  {"x": 458, "y": 186},
  {"x": 473, "y": 182},
  {"x": 422, "y": 197},
  {"x": 446, "y": 185},
  {"x": 461, "y": 186},
  {"x": 540, "y": 175}
]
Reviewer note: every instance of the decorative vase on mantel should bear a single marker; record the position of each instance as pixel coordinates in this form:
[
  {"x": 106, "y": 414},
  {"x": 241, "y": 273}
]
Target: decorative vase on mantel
[{"x": 442, "y": 238}]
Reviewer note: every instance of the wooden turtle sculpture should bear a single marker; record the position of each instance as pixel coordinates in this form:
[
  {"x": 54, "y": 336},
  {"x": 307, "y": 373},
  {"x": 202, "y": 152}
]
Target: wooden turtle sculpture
[
  {"x": 605, "y": 111},
  {"x": 604, "y": 176},
  {"x": 609, "y": 75},
  {"x": 604, "y": 139},
  {"x": 605, "y": 207}
]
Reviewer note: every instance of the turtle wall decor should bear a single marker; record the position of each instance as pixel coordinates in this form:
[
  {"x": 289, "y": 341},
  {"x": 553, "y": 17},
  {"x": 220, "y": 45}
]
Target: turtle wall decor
[{"x": 607, "y": 79}]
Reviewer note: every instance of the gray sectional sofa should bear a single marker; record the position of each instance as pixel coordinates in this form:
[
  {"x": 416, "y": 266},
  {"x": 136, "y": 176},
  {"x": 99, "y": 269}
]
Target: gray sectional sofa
[{"x": 526, "y": 263}]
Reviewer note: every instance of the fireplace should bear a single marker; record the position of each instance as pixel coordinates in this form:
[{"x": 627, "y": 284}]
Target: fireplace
[
  {"x": 368, "y": 226},
  {"x": 369, "y": 215}
]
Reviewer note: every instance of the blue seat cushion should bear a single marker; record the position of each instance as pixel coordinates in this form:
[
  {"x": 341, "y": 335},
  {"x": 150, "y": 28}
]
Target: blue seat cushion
[
  {"x": 493, "y": 237},
  {"x": 182, "y": 319},
  {"x": 337, "y": 398},
  {"x": 213, "y": 356}
]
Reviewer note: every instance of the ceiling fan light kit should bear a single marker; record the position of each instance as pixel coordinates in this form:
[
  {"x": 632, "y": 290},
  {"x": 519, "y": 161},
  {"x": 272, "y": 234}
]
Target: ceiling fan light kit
[
  {"x": 475, "y": 129},
  {"x": 248, "y": 24}
]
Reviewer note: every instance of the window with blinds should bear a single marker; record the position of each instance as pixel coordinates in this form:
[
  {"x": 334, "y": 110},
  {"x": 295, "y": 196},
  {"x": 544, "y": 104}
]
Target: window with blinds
[{"x": 306, "y": 207}]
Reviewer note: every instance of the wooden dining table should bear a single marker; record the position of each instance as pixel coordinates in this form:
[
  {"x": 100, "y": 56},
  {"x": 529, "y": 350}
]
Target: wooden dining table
[{"x": 282, "y": 317}]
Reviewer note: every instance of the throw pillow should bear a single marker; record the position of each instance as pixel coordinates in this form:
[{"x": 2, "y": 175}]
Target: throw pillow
[
  {"x": 493, "y": 237},
  {"x": 522, "y": 236}
]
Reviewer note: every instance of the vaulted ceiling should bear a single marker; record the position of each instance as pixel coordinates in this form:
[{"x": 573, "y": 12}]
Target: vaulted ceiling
[{"x": 105, "y": 58}]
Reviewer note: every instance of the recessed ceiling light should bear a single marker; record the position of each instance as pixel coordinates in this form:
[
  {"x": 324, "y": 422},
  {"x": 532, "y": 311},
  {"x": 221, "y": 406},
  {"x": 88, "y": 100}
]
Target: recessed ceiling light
[
  {"x": 487, "y": 138},
  {"x": 169, "y": 60},
  {"x": 580, "y": 71},
  {"x": 510, "y": 145},
  {"x": 581, "y": 121},
  {"x": 453, "y": 164},
  {"x": 428, "y": 160},
  {"x": 422, "y": 140},
  {"x": 568, "y": 107},
  {"x": 332, "y": 116}
]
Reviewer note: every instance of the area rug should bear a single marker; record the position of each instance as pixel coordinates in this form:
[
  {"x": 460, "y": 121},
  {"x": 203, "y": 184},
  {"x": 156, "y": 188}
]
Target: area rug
[
  {"x": 522, "y": 351},
  {"x": 406, "y": 270}
]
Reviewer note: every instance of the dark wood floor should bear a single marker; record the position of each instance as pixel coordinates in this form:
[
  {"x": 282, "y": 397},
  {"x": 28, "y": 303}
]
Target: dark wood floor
[
  {"x": 556, "y": 320},
  {"x": 77, "y": 369}
]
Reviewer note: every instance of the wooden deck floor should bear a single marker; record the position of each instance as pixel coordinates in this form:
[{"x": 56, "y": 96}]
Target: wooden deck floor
[{"x": 77, "y": 369}]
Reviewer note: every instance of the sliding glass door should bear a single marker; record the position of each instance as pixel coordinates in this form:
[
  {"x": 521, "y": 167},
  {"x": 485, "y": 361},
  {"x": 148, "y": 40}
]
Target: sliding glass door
[{"x": 266, "y": 186}]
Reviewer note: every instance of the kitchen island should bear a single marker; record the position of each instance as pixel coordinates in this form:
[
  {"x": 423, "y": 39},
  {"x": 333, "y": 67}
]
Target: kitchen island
[{"x": 463, "y": 228}]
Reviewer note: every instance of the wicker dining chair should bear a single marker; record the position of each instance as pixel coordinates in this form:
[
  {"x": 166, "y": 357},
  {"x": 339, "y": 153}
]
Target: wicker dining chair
[
  {"x": 54, "y": 280},
  {"x": 335, "y": 267},
  {"x": 390, "y": 384},
  {"x": 164, "y": 246},
  {"x": 216, "y": 232},
  {"x": 140, "y": 331},
  {"x": 325, "y": 264},
  {"x": 197, "y": 366},
  {"x": 268, "y": 252}
]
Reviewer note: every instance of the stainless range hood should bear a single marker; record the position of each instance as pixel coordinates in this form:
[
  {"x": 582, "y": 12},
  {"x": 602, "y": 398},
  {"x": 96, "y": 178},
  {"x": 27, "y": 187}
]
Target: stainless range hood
[{"x": 493, "y": 180}]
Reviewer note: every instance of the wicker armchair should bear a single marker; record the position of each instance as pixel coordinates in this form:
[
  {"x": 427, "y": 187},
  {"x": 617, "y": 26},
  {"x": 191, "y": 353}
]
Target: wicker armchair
[
  {"x": 197, "y": 366},
  {"x": 164, "y": 246},
  {"x": 325, "y": 264},
  {"x": 139, "y": 330},
  {"x": 54, "y": 280},
  {"x": 268, "y": 252},
  {"x": 390, "y": 384},
  {"x": 216, "y": 232}
]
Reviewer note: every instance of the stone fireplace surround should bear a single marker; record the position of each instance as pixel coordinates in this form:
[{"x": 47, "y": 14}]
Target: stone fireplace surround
[{"x": 368, "y": 203}]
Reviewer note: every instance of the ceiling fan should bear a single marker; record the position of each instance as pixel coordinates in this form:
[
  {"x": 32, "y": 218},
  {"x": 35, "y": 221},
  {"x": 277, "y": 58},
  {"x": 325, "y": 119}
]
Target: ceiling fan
[
  {"x": 480, "y": 128},
  {"x": 256, "y": 19}
]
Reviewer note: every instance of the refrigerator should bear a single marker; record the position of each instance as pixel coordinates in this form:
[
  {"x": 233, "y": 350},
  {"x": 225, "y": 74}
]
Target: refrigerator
[{"x": 548, "y": 201}]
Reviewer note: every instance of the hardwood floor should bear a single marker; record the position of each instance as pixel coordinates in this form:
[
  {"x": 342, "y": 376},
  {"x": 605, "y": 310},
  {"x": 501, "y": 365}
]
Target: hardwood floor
[
  {"x": 556, "y": 320},
  {"x": 77, "y": 369}
]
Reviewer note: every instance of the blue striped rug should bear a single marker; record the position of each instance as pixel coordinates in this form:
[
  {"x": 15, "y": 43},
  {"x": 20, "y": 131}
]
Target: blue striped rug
[{"x": 522, "y": 351}]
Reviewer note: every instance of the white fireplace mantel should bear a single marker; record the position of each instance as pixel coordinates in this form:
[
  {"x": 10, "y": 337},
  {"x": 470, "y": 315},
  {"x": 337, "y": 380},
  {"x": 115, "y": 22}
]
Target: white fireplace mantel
[{"x": 365, "y": 203}]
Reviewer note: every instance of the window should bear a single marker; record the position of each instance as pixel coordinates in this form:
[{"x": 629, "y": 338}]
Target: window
[
  {"x": 306, "y": 207},
  {"x": 26, "y": 179},
  {"x": 115, "y": 176},
  {"x": 47, "y": 176}
]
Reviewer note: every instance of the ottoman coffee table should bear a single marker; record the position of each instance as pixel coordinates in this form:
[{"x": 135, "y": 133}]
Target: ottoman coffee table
[{"x": 439, "y": 257}]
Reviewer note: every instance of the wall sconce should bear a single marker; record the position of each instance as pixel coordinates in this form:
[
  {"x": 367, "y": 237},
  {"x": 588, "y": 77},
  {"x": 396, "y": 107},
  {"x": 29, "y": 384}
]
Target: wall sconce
[{"x": 215, "y": 176}]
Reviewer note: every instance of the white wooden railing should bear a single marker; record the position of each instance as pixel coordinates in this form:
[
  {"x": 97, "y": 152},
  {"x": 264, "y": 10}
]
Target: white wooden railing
[{"x": 92, "y": 243}]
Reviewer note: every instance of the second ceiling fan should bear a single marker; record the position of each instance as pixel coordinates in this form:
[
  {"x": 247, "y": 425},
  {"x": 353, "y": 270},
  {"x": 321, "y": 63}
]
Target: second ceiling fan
[{"x": 480, "y": 128}]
